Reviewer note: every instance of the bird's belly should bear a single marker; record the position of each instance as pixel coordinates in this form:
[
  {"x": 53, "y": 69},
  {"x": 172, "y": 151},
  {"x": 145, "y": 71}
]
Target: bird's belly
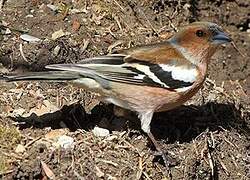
[
  {"x": 139, "y": 98},
  {"x": 178, "y": 101},
  {"x": 142, "y": 98}
]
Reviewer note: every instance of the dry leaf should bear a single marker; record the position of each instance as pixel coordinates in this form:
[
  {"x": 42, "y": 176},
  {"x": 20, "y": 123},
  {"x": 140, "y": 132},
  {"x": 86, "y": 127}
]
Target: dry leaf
[
  {"x": 166, "y": 35},
  {"x": 58, "y": 34},
  {"x": 48, "y": 172},
  {"x": 17, "y": 112},
  {"x": 55, "y": 134},
  {"x": 76, "y": 25},
  {"x": 40, "y": 110}
]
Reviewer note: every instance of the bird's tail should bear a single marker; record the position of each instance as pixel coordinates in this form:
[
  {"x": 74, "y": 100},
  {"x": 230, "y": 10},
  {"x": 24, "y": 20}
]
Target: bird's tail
[{"x": 47, "y": 75}]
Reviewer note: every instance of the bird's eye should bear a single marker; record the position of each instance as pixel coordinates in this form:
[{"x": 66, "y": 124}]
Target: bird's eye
[{"x": 200, "y": 33}]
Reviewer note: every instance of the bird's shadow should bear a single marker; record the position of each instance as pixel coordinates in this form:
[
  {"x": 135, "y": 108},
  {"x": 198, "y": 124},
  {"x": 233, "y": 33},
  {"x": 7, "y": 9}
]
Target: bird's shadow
[
  {"x": 187, "y": 122},
  {"x": 181, "y": 124}
]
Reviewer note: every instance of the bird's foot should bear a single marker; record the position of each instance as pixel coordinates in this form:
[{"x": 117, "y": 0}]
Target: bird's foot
[
  {"x": 167, "y": 159},
  {"x": 168, "y": 162}
]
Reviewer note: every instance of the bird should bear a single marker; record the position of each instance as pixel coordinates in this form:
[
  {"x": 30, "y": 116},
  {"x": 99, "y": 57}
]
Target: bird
[{"x": 144, "y": 79}]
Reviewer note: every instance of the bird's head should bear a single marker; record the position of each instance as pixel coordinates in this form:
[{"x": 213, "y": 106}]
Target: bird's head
[{"x": 199, "y": 40}]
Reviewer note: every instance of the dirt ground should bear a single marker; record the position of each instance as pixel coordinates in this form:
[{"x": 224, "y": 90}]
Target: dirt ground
[{"x": 208, "y": 137}]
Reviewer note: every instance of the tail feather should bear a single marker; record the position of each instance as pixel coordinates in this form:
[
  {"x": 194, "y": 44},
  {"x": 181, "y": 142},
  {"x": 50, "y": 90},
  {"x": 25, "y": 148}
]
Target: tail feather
[{"x": 47, "y": 75}]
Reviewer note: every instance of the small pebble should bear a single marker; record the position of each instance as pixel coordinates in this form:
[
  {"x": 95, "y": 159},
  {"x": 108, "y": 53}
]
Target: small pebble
[
  {"x": 66, "y": 142},
  {"x": 20, "y": 149},
  {"x": 100, "y": 132},
  {"x": 29, "y": 16}
]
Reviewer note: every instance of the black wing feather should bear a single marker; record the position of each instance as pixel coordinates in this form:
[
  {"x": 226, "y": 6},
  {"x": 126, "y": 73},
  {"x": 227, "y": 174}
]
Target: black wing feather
[{"x": 113, "y": 68}]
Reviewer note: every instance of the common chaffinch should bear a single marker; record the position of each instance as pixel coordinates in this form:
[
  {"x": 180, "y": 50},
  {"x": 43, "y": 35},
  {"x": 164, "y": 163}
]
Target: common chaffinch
[{"x": 145, "y": 79}]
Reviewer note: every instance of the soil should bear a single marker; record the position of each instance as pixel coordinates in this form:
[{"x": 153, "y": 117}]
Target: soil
[{"x": 208, "y": 136}]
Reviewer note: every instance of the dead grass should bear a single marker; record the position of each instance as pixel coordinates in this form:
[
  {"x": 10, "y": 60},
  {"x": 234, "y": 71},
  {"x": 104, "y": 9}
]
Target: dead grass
[
  {"x": 209, "y": 137},
  {"x": 3, "y": 164},
  {"x": 9, "y": 137}
]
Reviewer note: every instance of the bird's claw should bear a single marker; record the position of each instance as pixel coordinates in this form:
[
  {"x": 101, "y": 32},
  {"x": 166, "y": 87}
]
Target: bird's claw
[{"x": 168, "y": 160}]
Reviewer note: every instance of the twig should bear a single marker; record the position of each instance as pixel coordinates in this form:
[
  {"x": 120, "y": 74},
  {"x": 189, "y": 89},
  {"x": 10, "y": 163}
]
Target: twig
[
  {"x": 140, "y": 11},
  {"x": 211, "y": 161},
  {"x": 115, "y": 44},
  {"x": 165, "y": 172},
  {"x": 234, "y": 161},
  {"x": 223, "y": 166},
  {"x": 12, "y": 155},
  {"x": 171, "y": 24},
  {"x": 78, "y": 176},
  {"x": 85, "y": 45},
  {"x": 230, "y": 143},
  {"x": 150, "y": 24},
  {"x": 110, "y": 31},
  {"x": 146, "y": 175},
  {"x": 237, "y": 49},
  {"x": 195, "y": 148},
  {"x": 72, "y": 166},
  {"x": 31, "y": 142},
  {"x": 1, "y": 4},
  {"x": 123, "y": 10},
  {"x": 12, "y": 29},
  {"x": 118, "y": 22},
  {"x": 213, "y": 141},
  {"x": 22, "y": 54},
  {"x": 133, "y": 147},
  {"x": 239, "y": 86},
  {"x": 218, "y": 89},
  {"x": 6, "y": 172},
  {"x": 107, "y": 162},
  {"x": 139, "y": 173}
]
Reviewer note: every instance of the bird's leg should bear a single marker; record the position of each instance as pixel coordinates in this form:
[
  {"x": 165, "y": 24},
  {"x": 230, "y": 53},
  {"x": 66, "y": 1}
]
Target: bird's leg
[
  {"x": 146, "y": 118},
  {"x": 168, "y": 161},
  {"x": 165, "y": 158}
]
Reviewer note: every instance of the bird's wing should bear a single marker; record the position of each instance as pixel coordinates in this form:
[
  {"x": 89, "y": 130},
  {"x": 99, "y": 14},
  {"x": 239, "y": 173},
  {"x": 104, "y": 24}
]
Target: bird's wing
[
  {"x": 162, "y": 53},
  {"x": 133, "y": 68}
]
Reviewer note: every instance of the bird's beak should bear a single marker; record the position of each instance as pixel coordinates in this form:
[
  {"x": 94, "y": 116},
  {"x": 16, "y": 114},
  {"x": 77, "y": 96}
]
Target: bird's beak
[{"x": 221, "y": 38}]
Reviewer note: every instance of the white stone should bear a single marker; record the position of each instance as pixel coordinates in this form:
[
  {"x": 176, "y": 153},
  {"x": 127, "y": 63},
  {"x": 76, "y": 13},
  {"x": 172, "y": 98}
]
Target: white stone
[
  {"x": 20, "y": 149},
  {"x": 66, "y": 142},
  {"x": 29, "y": 38},
  {"x": 100, "y": 132}
]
